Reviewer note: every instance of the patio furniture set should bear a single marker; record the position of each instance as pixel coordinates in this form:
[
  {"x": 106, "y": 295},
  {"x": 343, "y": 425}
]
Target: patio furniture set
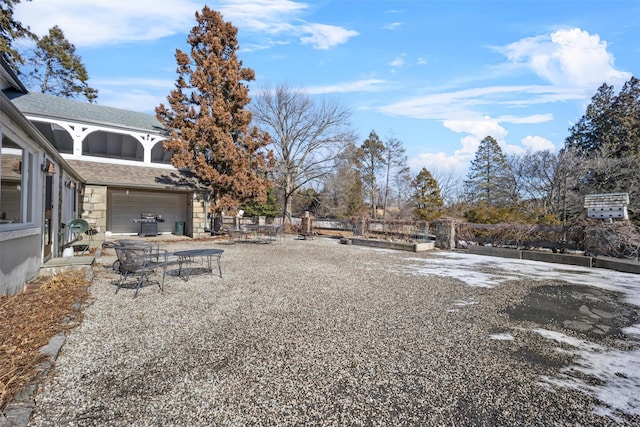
[
  {"x": 138, "y": 261},
  {"x": 256, "y": 233}
]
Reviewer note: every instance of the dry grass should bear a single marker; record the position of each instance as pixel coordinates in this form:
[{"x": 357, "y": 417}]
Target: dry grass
[{"x": 29, "y": 320}]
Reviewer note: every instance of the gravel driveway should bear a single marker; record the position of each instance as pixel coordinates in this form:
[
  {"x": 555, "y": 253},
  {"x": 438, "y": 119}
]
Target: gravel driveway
[{"x": 310, "y": 333}]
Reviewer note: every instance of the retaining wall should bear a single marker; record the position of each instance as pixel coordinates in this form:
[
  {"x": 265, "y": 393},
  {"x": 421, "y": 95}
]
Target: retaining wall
[
  {"x": 624, "y": 265},
  {"x": 581, "y": 260},
  {"x": 383, "y": 244},
  {"x": 498, "y": 252},
  {"x": 617, "y": 264}
]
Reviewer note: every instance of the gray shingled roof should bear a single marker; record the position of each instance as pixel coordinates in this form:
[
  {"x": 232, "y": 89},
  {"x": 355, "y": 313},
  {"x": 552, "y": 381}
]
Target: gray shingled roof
[
  {"x": 96, "y": 173},
  {"x": 40, "y": 104}
]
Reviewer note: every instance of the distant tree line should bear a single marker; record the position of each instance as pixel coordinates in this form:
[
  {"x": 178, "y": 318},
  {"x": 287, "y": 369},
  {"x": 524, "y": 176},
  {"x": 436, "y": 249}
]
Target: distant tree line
[
  {"x": 283, "y": 152},
  {"x": 601, "y": 154}
]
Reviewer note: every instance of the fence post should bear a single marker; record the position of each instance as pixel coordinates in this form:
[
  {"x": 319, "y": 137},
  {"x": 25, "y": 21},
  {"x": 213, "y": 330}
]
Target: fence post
[{"x": 445, "y": 233}]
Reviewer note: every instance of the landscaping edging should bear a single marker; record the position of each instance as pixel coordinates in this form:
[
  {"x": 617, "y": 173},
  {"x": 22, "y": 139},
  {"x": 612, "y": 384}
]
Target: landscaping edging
[
  {"x": 384, "y": 244},
  {"x": 623, "y": 265}
]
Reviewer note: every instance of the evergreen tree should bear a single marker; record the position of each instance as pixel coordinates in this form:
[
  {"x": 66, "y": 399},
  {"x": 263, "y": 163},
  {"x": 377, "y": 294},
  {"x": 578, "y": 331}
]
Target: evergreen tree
[
  {"x": 611, "y": 121},
  {"x": 306, "y": 199},
  {"x": 489, "y": 180},
  {"x": 370, "y": 160},
  {"x": 604, "y": 150},
  {"x": 426, "y": 196},
  {"x": 625, "y": 129},
  {"x": 207, "y": 120},
  {"x": 11, "y": 30},
  {"x": 594, "y": 128},
  {"x": 57, "y": 69},
  {"x": 270, "y": 208}
]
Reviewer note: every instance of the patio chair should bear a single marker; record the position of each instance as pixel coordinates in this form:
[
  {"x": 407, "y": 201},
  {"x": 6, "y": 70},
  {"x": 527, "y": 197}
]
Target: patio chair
[
  {"x": 138, "y": 262},
  {"x": 274, "y": 232},
  {"x": 234, "y": 235}
]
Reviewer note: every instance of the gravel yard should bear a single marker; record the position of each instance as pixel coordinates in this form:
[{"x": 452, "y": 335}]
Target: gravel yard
[{"x": 318, "y": 333}]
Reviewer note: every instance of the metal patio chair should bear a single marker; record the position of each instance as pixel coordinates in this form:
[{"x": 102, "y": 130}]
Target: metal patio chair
[
  {"x": 139, "y": 262},
  {"x": 274, "y": 232}
]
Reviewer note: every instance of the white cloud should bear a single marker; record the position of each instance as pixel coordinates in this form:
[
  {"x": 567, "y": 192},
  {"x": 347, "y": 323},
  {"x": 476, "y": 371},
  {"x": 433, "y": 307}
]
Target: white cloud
[
  {"x": 264, "y": 16},
  {"x": 398, "y": 61},
  {"x": 367, "y": 85},
  {"x": 282, "y": 17},
  {"x": 325, "y": 36},
  {"x": 573, "y": 61},
  {"x": 393, "y": 26},
  {"x": 478, "y": 128},
  {"x": 99, "y": 23},
  {"x": 469, "y": 103},
  {"x": 538, "y": 143},
  {"x": 456, "y": 165},
  {"x": 568, "y": 57},
  {"x": 108, "y": 22}
]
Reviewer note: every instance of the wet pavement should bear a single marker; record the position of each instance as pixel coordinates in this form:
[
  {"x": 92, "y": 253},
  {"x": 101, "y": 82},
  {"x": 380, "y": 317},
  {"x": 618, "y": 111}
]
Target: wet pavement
[{"x": 592, "y": 312}]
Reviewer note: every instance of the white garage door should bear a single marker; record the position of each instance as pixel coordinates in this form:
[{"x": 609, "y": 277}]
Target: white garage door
[{"x": 126, "y": 205}]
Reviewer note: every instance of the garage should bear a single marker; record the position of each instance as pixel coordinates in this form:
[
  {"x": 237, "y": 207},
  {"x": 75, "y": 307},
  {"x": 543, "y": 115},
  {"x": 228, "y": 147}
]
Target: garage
[{"x": 126, "y": 205}]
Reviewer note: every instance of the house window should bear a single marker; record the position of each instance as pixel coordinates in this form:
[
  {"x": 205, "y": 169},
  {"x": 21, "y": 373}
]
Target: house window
[{"x": 16, "y": 183}]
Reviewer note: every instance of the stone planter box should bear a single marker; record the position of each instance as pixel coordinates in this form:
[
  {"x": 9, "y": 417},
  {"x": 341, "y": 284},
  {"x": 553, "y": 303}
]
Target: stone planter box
[{"x": 383, "y": 244}]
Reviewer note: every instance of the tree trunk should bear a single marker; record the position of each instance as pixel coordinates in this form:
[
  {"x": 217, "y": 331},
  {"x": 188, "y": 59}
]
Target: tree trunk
[{"x": 288, "y": 193}]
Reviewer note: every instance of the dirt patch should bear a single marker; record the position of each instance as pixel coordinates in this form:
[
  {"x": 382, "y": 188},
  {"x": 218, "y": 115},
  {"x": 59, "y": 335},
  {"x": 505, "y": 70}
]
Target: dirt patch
[{"x": 589, "y": 311}]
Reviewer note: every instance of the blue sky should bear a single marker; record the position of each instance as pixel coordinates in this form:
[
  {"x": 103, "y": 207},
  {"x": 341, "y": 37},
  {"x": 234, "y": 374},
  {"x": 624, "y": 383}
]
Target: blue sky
[{"x": 437, "y": 75}]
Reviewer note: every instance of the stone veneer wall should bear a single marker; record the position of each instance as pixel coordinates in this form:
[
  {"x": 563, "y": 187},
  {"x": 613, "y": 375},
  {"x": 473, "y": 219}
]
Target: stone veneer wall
[
  {"x": 94, "y": 211},
  {"x": 199, "y": 217}
]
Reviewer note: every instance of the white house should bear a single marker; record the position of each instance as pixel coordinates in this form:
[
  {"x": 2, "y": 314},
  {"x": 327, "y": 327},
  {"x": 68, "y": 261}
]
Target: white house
[
  {"x": 119, "y": 153},
  {"x": 38, "y": 193},
  {"x": 64, "y": 159}
]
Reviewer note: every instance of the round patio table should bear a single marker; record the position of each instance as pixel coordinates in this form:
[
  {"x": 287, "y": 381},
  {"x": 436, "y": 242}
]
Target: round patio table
[{"x": 188, "y": 257}]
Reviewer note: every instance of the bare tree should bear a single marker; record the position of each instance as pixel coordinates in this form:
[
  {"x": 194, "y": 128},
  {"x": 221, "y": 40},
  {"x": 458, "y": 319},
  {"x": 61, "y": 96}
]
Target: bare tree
[
  {"x": 307, "y": 137},
  {"x": 403, "y": 197},
  {"x": 450, "y": 185},
  {"x": 369, "y": 162},
  {"x": 395, "y": 163},
  {"x": 536, "y": 178}
]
